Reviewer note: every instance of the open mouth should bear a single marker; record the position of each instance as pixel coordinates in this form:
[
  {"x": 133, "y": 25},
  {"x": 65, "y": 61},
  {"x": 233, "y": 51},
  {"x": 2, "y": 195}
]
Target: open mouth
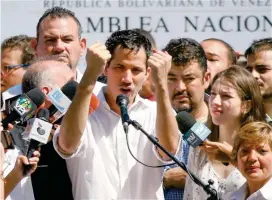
[{"x": 125, "y": 90}]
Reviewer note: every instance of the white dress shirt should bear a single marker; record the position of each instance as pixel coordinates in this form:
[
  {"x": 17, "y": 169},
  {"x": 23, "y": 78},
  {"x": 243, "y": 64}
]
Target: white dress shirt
[
  {"x": 102, "y": 167},
  {"x": 262, "y": 194}
]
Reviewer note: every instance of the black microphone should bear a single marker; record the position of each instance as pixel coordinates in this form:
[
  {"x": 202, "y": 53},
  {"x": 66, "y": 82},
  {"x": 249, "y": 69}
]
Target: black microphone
[
  {"x": 122, "y": 101},
  {"x": 39, "y": 134},
  {"x": 24, "y": 107},
  {"x": 193, "y": 132}
]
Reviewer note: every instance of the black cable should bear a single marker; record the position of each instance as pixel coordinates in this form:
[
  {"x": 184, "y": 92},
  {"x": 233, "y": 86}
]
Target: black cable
[{"x": 156, "y": 166}]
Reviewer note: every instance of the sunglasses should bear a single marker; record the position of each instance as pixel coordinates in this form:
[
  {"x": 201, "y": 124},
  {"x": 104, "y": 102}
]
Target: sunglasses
[{"x": 7, "y": 70}]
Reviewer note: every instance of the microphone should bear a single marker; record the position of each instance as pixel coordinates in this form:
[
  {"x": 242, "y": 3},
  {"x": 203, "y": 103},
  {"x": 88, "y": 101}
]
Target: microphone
[
  {"x": 39, "y": 133},
  {"x": 122, "y": 102},
  {"x": 61, "y": 100},
  {"x": 24, "y": 106},
  {"x": 58, "y": 109},
  {"x": 193, "y": 132}
]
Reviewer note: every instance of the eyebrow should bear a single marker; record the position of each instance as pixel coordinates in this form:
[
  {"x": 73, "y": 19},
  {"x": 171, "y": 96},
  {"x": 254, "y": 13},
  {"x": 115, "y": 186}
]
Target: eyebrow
[
  {"x": 54, "y": 36},
  {"x": 171, "y": 74},
  {"x": 261, "y": 65},
  {"x": 212, "y": 54}
]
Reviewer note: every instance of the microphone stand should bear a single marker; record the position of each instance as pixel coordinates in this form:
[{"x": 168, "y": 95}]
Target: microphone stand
[{"x": 208, "y": 189}]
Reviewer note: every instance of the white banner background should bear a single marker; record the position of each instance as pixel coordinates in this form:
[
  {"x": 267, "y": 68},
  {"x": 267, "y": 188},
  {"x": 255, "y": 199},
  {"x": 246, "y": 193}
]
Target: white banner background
[{"x": 238, "y": 22}]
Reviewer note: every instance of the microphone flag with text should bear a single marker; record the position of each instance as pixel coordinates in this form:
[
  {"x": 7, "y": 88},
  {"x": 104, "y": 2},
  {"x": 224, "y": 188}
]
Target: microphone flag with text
[
  {"x": 193, "y": 132},
  {"x": 39, "y": 133},
  {"x": 24, "y": 107}
]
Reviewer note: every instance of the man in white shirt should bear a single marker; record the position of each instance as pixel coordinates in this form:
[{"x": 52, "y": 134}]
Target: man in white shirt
[{"x": 98, "y": 160}]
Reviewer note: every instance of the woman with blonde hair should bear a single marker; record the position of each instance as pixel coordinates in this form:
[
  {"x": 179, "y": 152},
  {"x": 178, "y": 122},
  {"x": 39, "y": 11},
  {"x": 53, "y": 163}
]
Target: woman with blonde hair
[
  {"x": 252, "y": 154},
  {"x": 235, "y": 100}
]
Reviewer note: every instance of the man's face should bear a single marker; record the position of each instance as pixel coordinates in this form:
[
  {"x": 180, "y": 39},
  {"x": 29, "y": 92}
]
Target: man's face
[
  {"x": 260, "y": 66},
  {"x": 11, "y": 77},
  {"x": 217, "y": 57},
  {"x": 60, "y": 37},
  {"x": 186, "y": 86},
  {"x": 126, "y": 73}
]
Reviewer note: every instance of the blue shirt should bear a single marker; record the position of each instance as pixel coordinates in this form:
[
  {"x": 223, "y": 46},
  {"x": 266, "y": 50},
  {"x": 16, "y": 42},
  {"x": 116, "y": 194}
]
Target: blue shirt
[{"x": 174, "y": 193}]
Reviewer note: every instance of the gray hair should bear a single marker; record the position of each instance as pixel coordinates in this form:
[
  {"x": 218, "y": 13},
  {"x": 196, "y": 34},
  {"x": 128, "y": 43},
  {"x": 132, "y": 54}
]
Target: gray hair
[{"x": 37, "y": 78}]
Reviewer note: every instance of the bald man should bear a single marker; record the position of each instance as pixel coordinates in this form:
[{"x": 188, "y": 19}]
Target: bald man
[
  {"x": 51, "y": 178},
  {"x": 46, "y": 75}
]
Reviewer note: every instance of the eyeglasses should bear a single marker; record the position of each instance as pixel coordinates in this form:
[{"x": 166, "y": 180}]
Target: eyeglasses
[{"x": 7, "y": 70}]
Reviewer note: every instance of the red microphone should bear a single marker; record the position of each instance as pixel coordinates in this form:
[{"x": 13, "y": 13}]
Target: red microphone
[{"x": 94, "y": 104}]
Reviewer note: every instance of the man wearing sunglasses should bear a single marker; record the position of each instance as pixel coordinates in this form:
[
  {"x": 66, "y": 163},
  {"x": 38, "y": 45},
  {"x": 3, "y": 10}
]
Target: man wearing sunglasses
[{"x": 15, "y": 58}]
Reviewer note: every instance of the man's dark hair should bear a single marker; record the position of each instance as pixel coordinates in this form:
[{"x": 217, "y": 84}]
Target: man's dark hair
[
  {"x": 148, "y": 35},
  {"x": 264, "y": 44},
  {"x": 20, "y": 42},
  {"x": 58, "y": 12},
  {"x": 128, "y": 39},
  {"x": 232, "y": 58},
  {"x": 186, "y": 50}
]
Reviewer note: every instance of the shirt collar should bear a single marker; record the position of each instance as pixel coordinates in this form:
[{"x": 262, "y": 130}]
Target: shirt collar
[
  {"x": 240, "y": 193},
  {"x": 78, "y": 75},
  {"x": 266, "y": 190}
]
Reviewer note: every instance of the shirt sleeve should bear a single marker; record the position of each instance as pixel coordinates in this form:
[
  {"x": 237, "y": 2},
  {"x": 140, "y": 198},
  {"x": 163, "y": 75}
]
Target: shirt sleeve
[
  {"x": 81, "y": 149},
  {"x": 178, "y": 152}
]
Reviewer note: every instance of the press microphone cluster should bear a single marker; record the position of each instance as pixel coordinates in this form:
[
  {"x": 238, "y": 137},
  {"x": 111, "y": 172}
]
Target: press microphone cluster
[
  {"x": 24, "y": 107},
  {"x": 62, "y": 98}
]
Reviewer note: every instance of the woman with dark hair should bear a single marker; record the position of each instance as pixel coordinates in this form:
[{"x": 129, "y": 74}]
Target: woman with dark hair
[{"x": 234, "y": 101}]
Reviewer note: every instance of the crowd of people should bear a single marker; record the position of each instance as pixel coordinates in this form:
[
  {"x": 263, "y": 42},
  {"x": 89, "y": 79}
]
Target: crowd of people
[{"x": 87, "y": 155}]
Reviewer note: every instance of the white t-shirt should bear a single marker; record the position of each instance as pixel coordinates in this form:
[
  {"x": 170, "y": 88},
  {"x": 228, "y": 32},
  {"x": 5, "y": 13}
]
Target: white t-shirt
[
  {"x": 102, "y": 167},
  {"x": 262, "y": 194},
  {"x": 199, "y": 164}
]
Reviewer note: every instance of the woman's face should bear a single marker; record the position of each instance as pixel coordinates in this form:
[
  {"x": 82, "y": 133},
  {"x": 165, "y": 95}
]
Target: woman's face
[
  {"x": 255, "y": 162},
  {"x": 225, "y": 104}
]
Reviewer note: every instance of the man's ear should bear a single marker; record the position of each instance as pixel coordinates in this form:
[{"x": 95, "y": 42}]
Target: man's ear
[
  {"x": 46, "y": 90},
  {"x": 83, "y": 43},
  {"x": 106, "y": 69},
  {"x": 34, "y": 43},
  {"x": 148, "y": 71},
  {"x": 207, "y": 79}
]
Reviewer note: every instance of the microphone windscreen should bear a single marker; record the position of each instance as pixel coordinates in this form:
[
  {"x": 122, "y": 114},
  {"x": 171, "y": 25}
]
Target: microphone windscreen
[
  {"x": 37, "y": 96},
  {"x": 44, "y": 114},
  {"x": 69, "y": 89},
  {"x": 122, "y": 99},
  {"x": 185, "y": 121}
]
